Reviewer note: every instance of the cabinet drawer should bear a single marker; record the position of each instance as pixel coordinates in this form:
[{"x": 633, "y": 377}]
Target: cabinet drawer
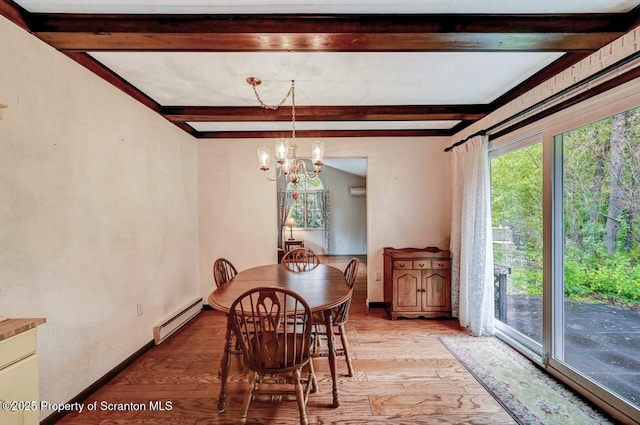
[
  {"x": 421, "y": 264},
  {"x": 440, "y": 264},
  {"x": 402, "y": 265},
  {"x": 17, "y": 347}
]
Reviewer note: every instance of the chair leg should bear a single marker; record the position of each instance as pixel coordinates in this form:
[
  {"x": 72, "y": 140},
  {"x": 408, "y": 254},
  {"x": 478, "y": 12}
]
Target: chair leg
[
  {"x": 345, "y": 347},
  {"x": 247, "y": 401},
  {"x": 236, "y": 345},
  {"x": 312, "y": 380},
  {"x": 237, "y": 349},
  {"x": 300, "y": 397},
  {"x": 316, "y": 339}
]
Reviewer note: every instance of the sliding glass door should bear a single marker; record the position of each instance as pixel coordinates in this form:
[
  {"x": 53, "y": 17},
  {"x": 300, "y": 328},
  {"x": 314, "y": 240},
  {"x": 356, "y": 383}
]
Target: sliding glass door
[
  {"x": 516, "y": 203},
  {"x": 596, "y": 296},
  {"x": 566, "y": 240}
]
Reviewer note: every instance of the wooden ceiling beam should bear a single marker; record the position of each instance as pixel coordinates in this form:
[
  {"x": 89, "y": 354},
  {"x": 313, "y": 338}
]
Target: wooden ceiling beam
[
  {"x": 13, "y": 12},
  {"x": 350, "y": 42},
  {"x": 324, "y": 113},
  {"x": 338, "y": 23},
  {"x": 320, "y": 134},
  {"x": 315, "y": 42},
  {"x": 339, "y": 33}
]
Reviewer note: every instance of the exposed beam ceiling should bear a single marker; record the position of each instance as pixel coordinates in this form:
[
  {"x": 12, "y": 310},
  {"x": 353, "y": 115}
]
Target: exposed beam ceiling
[{"x": 90, "y": 38}]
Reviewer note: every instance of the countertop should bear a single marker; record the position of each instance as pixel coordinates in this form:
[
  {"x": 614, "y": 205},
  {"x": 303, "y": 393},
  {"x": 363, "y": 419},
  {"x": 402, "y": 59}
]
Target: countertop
[{"x": 11, "y": 327}]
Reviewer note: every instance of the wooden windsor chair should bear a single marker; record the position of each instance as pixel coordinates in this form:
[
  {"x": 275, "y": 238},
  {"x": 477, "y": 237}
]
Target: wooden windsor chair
[
  {"x": 300, "y": 259},
  {"x": 223, "y": 271},
  {"x": 340, "y": 316},
  {"x": 273, "y": 329}
]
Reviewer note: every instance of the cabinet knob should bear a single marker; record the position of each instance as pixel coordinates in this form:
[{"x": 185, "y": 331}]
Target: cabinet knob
[
  {"x": 402, "y": 266},
  {"x": 421, "y": 264}
]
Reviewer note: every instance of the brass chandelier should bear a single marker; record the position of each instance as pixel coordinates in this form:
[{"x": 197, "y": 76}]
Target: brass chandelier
[{"x": 291, "y": 168}]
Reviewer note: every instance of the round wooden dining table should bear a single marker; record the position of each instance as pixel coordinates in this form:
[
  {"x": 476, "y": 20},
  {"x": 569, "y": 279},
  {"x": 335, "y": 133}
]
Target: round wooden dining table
[{"x": 323, "y": 288}]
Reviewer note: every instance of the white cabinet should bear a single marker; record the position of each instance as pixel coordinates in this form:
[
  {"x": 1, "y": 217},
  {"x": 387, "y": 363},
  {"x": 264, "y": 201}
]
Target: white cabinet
[{"x": 19, "y": 379}]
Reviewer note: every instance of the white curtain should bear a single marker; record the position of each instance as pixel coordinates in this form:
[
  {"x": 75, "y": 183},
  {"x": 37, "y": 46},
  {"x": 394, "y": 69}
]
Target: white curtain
[
  {"x": 285, "y": 204},
  {"x": 471, "y": 244}
]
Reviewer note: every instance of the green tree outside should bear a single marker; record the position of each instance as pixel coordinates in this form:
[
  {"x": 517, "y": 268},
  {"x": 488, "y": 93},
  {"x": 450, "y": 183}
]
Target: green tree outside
[{"x": 601, "y": 196}]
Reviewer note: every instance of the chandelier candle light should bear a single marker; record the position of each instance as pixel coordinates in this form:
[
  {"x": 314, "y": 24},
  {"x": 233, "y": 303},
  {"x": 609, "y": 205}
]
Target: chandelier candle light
[{"x": 291, "y": 167}]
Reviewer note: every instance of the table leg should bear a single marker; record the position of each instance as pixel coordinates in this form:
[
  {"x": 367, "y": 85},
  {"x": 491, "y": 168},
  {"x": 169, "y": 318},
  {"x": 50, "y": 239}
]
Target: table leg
[
  {"x": 328, "y": 321},
  {"x": 225, "y": 364}
]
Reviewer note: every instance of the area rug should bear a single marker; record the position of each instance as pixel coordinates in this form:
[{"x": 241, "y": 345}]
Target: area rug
[{"x": 530, "y": 395}]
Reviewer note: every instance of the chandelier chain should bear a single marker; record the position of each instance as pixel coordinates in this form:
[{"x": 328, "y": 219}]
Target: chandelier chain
[
  {"x": 292, "y": 93},
  {"x": 293, "y": 109},
  {"x": 276, "y": 106}
]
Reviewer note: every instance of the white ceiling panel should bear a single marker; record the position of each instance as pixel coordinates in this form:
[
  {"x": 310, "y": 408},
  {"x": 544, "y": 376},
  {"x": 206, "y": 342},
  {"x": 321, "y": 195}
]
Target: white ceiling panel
[{"x": 325, "y": 78}]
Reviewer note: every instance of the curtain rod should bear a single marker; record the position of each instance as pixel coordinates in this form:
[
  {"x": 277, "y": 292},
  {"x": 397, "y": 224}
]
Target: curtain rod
[
  {"x": 463, "y": 141},
  {"x": 613, "y": 67}
]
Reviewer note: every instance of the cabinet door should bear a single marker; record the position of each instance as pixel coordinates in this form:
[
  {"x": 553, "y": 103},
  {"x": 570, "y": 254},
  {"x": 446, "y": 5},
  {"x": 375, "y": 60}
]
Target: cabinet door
[
  {"x": 19, "y": 382},
  {"x": 437, "y": 295},
  {"x": 407, "y": 290}
]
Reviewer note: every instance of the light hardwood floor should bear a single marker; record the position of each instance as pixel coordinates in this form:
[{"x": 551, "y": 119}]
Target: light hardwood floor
[{"x": 403, "y": 375}]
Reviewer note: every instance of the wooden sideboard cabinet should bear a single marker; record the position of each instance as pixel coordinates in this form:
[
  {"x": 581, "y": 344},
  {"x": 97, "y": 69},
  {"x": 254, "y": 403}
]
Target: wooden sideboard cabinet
[{"x": 417, "y": 282}]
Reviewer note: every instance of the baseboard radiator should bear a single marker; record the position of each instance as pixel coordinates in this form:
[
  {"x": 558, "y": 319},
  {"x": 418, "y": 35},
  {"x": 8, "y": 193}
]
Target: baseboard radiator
[{"x": 176, "y": 320}]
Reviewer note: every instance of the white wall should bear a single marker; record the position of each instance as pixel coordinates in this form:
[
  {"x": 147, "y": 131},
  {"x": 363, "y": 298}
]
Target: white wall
[
  {"x": 408, "y": 200},
  {"x": 98, "y": 213},
  {"x": 348, "y": 230},
  {"x": 237, "y": 207}
]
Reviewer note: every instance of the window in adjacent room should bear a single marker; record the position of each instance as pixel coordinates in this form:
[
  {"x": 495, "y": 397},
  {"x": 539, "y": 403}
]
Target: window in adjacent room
[{"x": 310, "y": 203}]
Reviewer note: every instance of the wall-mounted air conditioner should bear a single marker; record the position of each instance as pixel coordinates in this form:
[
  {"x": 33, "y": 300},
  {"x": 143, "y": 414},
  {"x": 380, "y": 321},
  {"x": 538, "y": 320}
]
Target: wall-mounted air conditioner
[{"x": 358, "y": 191}]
